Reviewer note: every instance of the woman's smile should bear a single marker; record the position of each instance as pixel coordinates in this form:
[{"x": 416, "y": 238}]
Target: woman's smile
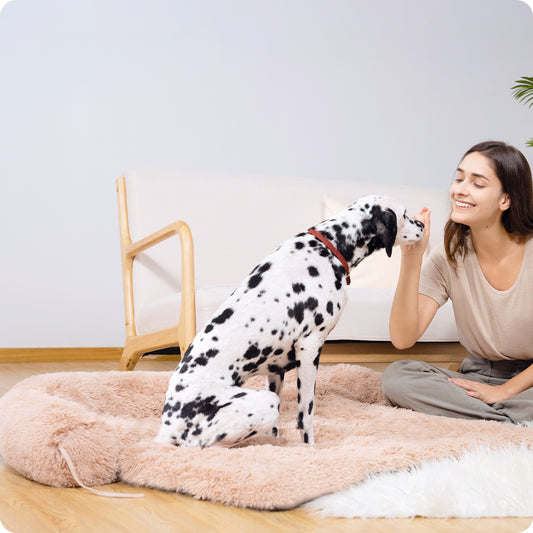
[{"x": 463, "y": 205}]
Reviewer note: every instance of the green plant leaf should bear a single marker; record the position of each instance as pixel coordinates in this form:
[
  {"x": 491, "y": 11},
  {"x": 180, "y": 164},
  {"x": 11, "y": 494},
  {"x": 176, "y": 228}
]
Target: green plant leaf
[{"x": 523, "y": 90}]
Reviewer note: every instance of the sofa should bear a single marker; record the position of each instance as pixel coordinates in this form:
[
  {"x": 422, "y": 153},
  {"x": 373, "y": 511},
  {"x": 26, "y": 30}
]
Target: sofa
[{"x": 236, "y": 221}]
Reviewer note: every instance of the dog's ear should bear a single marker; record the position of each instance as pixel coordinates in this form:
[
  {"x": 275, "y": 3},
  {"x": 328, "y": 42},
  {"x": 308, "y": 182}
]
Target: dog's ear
[{"x": 388, "y": 219}]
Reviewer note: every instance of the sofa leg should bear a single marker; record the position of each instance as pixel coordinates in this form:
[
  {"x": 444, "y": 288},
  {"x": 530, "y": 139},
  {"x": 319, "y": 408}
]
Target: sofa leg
[{"x": 129, "y": 358}]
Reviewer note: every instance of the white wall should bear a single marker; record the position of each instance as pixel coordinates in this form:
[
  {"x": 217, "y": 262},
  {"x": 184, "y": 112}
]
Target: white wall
[{"x": 388, "y": 90}]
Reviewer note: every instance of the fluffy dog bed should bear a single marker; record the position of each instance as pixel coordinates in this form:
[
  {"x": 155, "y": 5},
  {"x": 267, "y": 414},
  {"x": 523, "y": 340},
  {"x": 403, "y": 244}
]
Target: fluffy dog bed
[{"x": 105, "y": 421}]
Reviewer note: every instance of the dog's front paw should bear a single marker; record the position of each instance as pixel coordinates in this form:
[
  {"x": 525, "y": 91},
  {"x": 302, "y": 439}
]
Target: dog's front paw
[{"x": 307, "y": 436}]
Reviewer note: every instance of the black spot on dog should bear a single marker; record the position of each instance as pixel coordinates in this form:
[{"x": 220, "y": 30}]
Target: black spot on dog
[
  {"x": 306, "y": 438},
  {"x": 238, "y": 395},
  {"x": 208, "y": 328},
  {"x": 236, "y": 377},
  {"x": 274, "y": 431},
  {"x": 298, "y": 287},
  {"x": 291, "y": 355},
  {"x": 225, "y": 315},
  {"x": 261, "y": 360},
  {"x": 208, "y": 406},
  {"x": 254, "y": 281},
  {"x": 300, "y": 420},
  {"x": 290, "y": 365},
  {"x": 252, "y": 352},
  {"x": 311, "y": 304},
  {"x": 250, "y": 367},
  {"x": 329, "y": 307},
  {"x": 264, "y": 267},
  {"x": 313, "y": 271},
  {"x": 319, "y": 319},
  {"x": 297, "y": 312},
  {"x": 310, "y": 410},
  {"x": 201, "y": 360},
  {"x": 179, "y": 387},
  {"x": 257, "y": 276},
  {"x": 275, "y": 369},
  {"x": 279, "y": 351},
  {"x": 174, "y": 408},
  {"x": 267, "y": 351},
  {"x": 299, "y": 245},
  {"x": 221, "y": 436}
]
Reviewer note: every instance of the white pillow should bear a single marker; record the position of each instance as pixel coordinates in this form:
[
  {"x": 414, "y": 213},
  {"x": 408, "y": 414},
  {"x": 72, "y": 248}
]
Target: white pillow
[{"x": 377, "y": 271}]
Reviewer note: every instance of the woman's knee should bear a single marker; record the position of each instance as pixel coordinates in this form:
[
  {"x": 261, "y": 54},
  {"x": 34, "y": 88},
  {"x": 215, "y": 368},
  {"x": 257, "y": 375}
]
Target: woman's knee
[{"x": 397, "y": 380}]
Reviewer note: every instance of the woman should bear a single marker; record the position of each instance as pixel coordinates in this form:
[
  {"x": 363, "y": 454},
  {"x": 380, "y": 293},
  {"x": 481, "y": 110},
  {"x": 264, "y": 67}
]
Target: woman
[{"x": 486, "y": 268}]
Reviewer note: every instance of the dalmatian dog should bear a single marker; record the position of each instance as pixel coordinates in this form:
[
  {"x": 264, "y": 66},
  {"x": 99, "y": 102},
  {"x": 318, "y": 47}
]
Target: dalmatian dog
[{"x": 275, "y": 321}]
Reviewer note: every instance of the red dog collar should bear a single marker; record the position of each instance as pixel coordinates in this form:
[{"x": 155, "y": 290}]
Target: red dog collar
[{"x": 333, "y": 250}]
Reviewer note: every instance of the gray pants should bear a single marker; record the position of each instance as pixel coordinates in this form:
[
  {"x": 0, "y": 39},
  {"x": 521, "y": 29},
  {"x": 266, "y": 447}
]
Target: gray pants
[{"x": 423, "y": 387}]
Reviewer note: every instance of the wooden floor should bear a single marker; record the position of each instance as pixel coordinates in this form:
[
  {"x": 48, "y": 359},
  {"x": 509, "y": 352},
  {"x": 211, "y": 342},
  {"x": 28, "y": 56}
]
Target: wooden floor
[{"x": 26, "y": 506}]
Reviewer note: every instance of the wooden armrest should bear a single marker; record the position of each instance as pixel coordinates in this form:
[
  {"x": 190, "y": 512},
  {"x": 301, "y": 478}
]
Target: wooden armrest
[
  {"x": 176, "y": 228},
  {"x": 187, "y": 322}
]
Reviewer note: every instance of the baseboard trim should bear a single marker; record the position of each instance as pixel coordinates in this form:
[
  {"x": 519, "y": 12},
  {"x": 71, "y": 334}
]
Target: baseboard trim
[{"x": 333, "y": 352}]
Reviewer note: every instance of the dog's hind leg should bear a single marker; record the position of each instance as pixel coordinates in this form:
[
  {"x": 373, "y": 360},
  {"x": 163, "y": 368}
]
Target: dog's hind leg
[
  {"x": 308, "y": 357},
  {"x": 245, "y": 414},
  {"x": 275, "y": 384}
]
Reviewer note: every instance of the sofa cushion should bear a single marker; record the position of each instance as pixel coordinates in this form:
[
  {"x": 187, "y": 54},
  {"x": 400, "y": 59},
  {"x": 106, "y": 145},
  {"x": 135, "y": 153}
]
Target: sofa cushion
[{"x": 365, "y": 317}]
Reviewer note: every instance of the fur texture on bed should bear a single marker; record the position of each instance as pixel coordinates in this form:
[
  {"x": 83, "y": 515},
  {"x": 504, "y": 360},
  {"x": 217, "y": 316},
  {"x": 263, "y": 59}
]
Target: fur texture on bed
[{"x": 106, "y": 422}]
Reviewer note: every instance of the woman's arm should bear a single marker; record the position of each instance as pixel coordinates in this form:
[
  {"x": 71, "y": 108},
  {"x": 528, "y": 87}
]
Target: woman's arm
[
  {"x": 411, "y": 312},
  {"x": 497, "y": 393}
]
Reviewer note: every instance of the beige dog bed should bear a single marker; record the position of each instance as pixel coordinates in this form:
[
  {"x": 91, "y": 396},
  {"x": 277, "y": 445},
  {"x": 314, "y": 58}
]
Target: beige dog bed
[{"x": 105, "y": 421}]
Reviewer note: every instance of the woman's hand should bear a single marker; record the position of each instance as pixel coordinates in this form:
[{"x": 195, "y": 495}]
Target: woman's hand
[
  {"x": 489, "y": 394},
  {"x": 419, "y": 247}
]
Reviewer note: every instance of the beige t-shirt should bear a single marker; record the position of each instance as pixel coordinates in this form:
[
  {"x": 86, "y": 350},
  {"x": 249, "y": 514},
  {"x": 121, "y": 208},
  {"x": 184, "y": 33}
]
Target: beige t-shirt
[{"x": 491, "y": 324}]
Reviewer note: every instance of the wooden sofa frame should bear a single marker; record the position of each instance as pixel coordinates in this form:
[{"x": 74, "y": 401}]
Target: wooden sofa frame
[{"x": 183, "y": 333}]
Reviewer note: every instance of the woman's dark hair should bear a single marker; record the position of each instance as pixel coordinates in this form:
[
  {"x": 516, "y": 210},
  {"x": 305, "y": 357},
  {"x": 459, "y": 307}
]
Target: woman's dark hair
[{"x": 514, "y": 173}]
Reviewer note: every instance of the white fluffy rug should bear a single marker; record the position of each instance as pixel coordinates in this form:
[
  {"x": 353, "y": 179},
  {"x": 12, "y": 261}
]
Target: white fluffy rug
[{"x": 482, "y": 483}]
